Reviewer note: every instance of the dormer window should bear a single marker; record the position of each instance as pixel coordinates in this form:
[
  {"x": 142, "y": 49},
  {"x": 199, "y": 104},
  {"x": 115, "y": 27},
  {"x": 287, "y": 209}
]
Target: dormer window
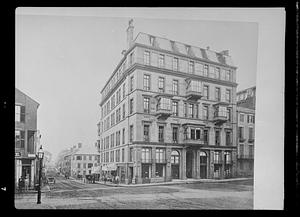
[{"x": 151, "y": 40}]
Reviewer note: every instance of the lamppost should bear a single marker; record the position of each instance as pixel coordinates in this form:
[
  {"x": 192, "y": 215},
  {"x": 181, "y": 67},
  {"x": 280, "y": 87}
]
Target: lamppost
[{"x": 40, "y": 156}]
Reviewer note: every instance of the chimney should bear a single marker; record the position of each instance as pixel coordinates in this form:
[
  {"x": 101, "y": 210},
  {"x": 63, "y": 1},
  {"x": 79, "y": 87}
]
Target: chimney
[
  {"x": 225, "y": 52},
  {"x": 130, "y": 33},
  {"x": 207, "y": 48},
  {"x": 79, "y": 145}
]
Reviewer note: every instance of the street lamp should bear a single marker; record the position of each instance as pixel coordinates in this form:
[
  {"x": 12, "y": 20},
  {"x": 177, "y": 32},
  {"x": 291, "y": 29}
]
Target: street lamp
[{"x": 40, "y": 156}]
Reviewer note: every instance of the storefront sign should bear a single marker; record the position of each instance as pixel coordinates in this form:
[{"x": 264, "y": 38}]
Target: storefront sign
[{"x": 17, "y": 154}]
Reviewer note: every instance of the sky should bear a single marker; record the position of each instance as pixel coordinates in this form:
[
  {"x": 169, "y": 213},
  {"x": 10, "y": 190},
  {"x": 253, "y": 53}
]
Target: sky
[{"x": 64, "y": 56}]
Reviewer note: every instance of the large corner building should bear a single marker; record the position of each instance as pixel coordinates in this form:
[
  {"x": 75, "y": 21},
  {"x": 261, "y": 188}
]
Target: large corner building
[{"x": 168, "y": 111}]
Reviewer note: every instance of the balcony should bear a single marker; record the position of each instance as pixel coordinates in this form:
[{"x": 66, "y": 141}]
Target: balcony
[
  {"x": 189, "y": 141},
  {"x": 218, "y": 161},
  {"x": 241, "y": 139},
  {"x": 244, "y": 156},
  {"x": 146, "y": 160},
  {"x": 193, "y": 91},
  {"x": 163, "y": 113},
  {"x": 161, "y": 161},
  {"x": 251, "y": 140},
  {"x": 220, "y": 117}
]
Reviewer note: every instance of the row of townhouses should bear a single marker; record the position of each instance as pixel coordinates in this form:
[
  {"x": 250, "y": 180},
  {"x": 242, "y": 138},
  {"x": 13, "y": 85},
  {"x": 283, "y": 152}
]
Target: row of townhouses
[
  {"x": 78, "y": 161},
  {"x": 169, "y": 111}
]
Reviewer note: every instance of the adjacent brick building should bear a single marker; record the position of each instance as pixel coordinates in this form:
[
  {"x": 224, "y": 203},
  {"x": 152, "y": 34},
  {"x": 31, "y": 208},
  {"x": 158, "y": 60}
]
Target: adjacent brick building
[
  {"x": 168, "y": 111},
  {"x": 26, "y": 137}
]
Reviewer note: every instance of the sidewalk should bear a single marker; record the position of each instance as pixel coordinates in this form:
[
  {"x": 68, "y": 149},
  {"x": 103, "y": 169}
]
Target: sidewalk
[{"x": 175, "y": 182}]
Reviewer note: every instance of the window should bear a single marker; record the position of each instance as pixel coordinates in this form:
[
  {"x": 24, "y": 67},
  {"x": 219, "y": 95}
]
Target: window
[
  {"x": 205, "y": 92},
  {"x": 146, "y": 155},
  {"x": 118, "y": 137},
  {"x": 124, "y": 90},
  {"x": 250, "y": 118},
  {"x": 131, "y": 106},
  {"x": 191, "y": 67},
  {"x": 242, "y": 118},
  {"x": 228, "y": 114},
  {"x": 217, "y": 157},
  {"x": 112, "y": 118},
  {"x": 185, "y": 109},
  {"x": 118, "y": 115},
  {"x": 160, "y": 155},
  {"x": 131, "y": 154},
  {"x": 175, "y": 87},
  {"x": 250, "y": 133},
  {"x": 112, "y": 140},
  {"x": 227, "y": 75},
  {"x": 19, "y": 139},
  {"x": 151, "y": 40},
  {"x": 123, "y": 110},
  {"x": 241, "y": 150},
  {"x": 161, "y": 84},
  {"x": 175, "y": 134},
  {"x": 161, "y": 133},
  {"x": 217, "y": 73},
  {"x": 205, "y": 136},
  {"x": 228, "y": 96},
  {"x": 131, "y": 133},
  {"x": 251, "y": 151},
  {"x": 227, "y": 157},
  {"x": 241, "y": 133},
  {"x": 161, "y": 61},
  {"x": 205, "y": 112},
  {"x": 217, "y": 137},
  {"x": 175, "y": 108},
  {"x": 84, "y": 157},
  {"x": 131, "y": 83},
  {"x": 164, "y": 103},
  {"x": 146, "y": 105},
  {"x": 20, "y": 113},
  {"x": 228, "y": 138},
  {"x": 78, "y": 157},
  {"x": 78, "y": 165},
  {"x": 146, "y": 82},
  {"x": 191, "y": 110},
  {"x": 218, "y": 94},
  {"x": 118, "y": 155},
  {"x": 146, "y": 57},
  {"x": 205, "y": 72},
  {"x": 175, "y": 64},
  {"x": 123, "y": 154},
  {"x": 131, "y": 58},
  {"x": 146, "y": 133},
  {"x": 113, "y": 102},
  {"x": 84, "y": 166},
  {"x": 123, "y": 136},
  {"x": 90, "y": 157},
  {"x": 174, "y": 157},
  {"x": 112, "y": 156}
]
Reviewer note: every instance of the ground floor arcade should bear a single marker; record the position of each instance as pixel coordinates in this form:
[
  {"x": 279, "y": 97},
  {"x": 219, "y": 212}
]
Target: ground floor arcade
[{"x": 148, "y": 164}]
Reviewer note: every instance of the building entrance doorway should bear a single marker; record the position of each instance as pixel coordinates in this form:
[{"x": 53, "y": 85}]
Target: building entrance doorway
[
  {"x": 203, "y": 165},
  {"x": 189, "y": 164},
  {"x": 175, "y": 164}
]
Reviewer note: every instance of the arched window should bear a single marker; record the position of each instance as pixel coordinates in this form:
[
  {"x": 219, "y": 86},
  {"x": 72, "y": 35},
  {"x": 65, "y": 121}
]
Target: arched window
[{"x": 175, "y": 157}]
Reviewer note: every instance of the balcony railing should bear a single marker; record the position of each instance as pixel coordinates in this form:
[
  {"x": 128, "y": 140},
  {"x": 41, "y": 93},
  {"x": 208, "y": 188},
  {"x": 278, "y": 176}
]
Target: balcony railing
[
  {"x": 218, "y": 161},
  {"x": 251, "y": 140},
  {"x": 163, "y": 112},
  {"x": 241, "y": 139},
  {"x": 194, "y": 141},
  {"x": 245, "y": 156},
  {"x": 162, "y": 161},
  {"x": 147, "y": 160},
  {"x": 220, "y": 117}
]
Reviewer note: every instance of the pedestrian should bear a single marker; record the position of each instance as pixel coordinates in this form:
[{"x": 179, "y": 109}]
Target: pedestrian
[
  {"x": 117, "y": 179},
  {"x": 26, "y": 182},
  {"x": 20, "y": 184}
]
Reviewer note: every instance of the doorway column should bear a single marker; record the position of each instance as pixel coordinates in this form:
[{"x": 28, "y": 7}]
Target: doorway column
[
  {"x": 183, "y": 163},
  {"x": 198, "y": 164}
]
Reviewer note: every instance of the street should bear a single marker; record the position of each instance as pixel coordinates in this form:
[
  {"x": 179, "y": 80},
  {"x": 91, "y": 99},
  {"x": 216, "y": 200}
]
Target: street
[{"x": 71, "y": 194}]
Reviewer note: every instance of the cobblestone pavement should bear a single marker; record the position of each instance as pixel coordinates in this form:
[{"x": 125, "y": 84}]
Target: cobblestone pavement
[{"x": 223, "y": 195}]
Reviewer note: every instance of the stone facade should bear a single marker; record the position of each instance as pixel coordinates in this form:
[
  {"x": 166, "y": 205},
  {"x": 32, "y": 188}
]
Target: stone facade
[{"x": 170, "y": 126}]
